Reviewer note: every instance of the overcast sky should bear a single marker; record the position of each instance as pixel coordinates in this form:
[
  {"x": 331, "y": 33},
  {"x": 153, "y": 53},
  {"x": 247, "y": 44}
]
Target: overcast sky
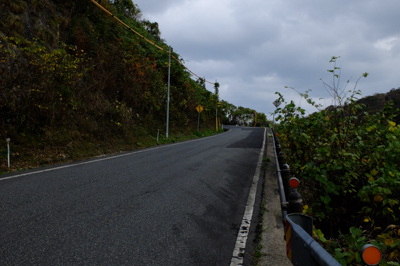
[{"x": 254, "y": 48}]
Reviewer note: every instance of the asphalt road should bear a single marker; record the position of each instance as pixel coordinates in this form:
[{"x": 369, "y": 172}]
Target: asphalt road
[{"x": 179, "y": 204}]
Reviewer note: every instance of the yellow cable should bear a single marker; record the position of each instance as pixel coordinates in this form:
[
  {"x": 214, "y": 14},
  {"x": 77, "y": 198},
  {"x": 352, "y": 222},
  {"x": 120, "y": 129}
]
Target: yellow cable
[{"x": 152, "y": 43}]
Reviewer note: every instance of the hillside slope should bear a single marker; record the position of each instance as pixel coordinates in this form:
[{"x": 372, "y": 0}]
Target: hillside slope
[
  {"x": 375, "y": 103},
  {"x": 75, "y": 83}
]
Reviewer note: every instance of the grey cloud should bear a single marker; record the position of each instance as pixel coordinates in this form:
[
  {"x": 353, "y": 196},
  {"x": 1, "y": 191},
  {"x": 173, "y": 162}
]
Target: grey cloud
[
  {"x": 245, "y": 43},
  {"x": 149, "y": 7}
]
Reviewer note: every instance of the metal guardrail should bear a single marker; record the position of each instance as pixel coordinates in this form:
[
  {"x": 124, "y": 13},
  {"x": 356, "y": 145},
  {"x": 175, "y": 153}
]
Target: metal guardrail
[
  {"x": 301, "y": 247},
  {"x": 282, "y": 194}
]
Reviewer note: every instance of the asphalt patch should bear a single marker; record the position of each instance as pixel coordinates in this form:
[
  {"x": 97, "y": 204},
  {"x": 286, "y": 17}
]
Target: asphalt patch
[{"x": 252, "y": 141}]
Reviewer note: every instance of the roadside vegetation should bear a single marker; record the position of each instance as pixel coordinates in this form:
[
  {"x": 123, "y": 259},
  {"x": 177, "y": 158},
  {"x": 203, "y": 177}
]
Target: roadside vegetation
[
  {"x": 347, "y": 160},
  {"x": 75, "y": 83}
]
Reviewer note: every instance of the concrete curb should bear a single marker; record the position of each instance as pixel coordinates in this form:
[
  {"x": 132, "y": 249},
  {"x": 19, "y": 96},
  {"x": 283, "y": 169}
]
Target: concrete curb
[{"x": 273, "y": 250}]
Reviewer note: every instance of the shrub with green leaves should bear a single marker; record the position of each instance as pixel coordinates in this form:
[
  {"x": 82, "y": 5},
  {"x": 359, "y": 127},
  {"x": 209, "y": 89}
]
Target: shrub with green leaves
[{"x": 347, "y": 161}]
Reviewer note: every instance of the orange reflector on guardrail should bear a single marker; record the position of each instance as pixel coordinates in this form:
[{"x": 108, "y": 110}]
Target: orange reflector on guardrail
[
  {"x": 371, "y": 255},
  {"x": 294, "y": 182}
]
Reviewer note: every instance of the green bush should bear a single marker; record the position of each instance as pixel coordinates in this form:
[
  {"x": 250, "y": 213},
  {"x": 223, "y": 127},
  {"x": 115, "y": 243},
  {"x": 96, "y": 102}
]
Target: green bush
[{"x": 348, "y": 165}]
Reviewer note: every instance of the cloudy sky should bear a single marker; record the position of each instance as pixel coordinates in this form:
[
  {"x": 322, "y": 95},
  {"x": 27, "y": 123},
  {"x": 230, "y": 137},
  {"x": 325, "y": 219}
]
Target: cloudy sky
[{"x": 254, "y": 48}]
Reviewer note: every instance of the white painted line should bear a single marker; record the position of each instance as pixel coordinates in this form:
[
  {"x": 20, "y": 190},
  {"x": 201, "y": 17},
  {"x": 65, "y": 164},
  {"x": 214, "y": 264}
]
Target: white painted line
[
  {"x": 107, "y": 158},
  {"x": 241, "y": 240}
]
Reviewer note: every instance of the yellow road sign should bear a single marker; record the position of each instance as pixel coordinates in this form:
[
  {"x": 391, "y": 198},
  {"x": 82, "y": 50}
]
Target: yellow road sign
[{"x": 199, "y": 108}]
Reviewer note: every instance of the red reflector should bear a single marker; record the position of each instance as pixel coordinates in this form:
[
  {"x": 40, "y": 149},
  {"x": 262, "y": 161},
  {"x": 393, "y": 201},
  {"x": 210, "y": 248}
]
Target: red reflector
[
  {"x": 294, "y": 182},
  {"x": 371, "y": 254}
]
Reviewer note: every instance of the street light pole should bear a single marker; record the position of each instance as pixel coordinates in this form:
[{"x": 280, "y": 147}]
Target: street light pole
[
  {"x": 216, "y": 107},
  {"x": 169, "y": 81}
]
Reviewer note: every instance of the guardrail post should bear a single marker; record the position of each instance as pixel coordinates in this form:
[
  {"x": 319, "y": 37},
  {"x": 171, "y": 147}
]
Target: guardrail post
[
  {"x": 295, "y": 202},
  {"x": 278, "y": 148},
  {"x": 276, "y": 141},
  {"x": 281, "y": 158},
  {"x": 275, "y": 137},
  {"x": 285, "y": 172}
]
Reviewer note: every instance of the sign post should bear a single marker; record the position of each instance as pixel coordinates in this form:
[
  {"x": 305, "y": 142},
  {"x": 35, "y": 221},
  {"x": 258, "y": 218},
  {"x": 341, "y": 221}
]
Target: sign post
[
  {"x": 276, "y": 103},
  {"x": 199, "y": 109}
]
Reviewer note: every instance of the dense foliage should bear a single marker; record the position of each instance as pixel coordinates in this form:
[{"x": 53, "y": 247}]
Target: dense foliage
[{"x": 348, "y": 166}]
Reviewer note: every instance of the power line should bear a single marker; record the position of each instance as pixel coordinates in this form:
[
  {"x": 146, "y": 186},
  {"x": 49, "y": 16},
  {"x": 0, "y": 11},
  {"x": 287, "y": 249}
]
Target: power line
[{"x": 144, "y": 38}]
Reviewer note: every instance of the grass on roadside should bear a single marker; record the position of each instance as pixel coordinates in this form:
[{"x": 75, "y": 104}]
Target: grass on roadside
[
  {"x": 36, "y": 154},
  {"x": 257, "y": 254}
]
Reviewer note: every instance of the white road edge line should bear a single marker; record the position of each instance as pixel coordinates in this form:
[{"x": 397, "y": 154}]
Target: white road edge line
[
  {"x": 107, "y": 158},
  {"x": 241, "y": 240}
]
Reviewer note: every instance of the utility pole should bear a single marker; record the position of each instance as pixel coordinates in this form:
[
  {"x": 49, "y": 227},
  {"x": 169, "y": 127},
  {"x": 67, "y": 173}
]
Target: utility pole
[
  {"x": 216, "y": 118},
  {"x": 169, "y": 81}
]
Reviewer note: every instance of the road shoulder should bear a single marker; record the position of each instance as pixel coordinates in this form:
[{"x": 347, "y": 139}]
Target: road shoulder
[{"x": 273, "y": 251}]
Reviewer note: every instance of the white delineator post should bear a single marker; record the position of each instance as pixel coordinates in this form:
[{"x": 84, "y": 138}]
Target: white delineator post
[{"x": 8, "y": 151}]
